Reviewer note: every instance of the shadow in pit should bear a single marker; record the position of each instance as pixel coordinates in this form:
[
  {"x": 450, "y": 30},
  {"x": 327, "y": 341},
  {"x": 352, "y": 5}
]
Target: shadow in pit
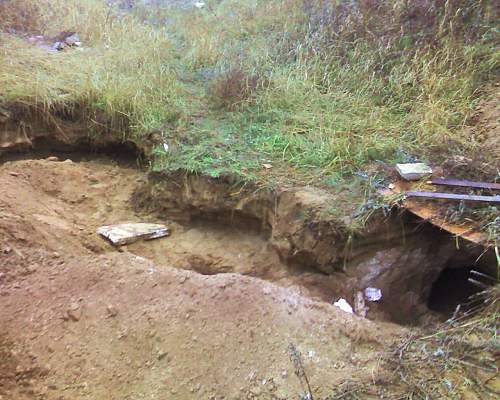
[
  {"x": 125, "y": 154},
  {"x": 423, "y": 275},
  {"x": 451, "y": 289}
]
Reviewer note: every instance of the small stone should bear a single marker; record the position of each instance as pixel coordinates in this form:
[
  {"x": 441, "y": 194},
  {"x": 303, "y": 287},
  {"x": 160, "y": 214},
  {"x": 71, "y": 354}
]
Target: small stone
[
  {"x": 112, "y": 311},
  {"x": 52, "y": 158},
  {"x": 73, "y": 40},
  {"x": 58, "y": 46},
  {"x": 256, "y": 391},
  {"x": 74, "y": 312},
  {"x": 161, "y": 354},
  {"x": 32, "y": 268},
  {"x": 74, "y": 315},
  {"x": 12, "y": 173}
]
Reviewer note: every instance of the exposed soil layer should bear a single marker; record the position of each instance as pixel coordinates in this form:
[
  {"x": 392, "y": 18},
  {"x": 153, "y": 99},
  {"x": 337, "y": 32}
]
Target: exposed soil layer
[
  {"x": 210, "y": 311},
  {"x": 399, "y": 254},
  {"x": 81, "y": 320}
]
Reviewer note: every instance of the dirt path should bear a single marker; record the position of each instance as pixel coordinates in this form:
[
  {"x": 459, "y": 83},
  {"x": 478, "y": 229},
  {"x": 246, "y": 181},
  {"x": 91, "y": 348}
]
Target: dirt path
[{"x": 83, "y": 321}]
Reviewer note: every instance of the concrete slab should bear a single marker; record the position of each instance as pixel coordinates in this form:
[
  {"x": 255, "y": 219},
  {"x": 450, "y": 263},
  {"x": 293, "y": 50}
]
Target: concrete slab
[{"x": 122, "y": 234}]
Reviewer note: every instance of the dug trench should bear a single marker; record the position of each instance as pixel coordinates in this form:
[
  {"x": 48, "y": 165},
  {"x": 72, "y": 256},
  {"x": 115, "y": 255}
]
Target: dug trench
[{"x": 210, "y": 311}]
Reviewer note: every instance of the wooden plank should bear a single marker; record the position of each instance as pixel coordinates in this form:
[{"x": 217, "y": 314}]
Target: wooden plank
[
  {"x": 453, "y": 196},
  {"x": 462, "y": 183},
  {"x": 433, "y": 211}
]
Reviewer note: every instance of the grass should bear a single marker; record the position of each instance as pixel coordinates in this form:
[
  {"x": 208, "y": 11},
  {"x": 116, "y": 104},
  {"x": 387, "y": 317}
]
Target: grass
[
  {"x": 326, "y": 94},
  {"x": 456, "y": 360},
  {"x": 460, "y": 359},
  {"x": 329, "y": 94},
  {"x": 124, "y": 68}
]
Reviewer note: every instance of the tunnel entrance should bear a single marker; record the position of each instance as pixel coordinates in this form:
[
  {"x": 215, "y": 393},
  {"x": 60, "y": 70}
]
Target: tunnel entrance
[{"x": 452, "y": 288}]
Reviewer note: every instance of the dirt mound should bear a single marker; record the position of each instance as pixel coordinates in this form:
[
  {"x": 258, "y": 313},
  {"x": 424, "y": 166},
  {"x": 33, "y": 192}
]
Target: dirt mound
[
  {"x": 65, "y": 202},
  {"x": 117, "y": 326},
  {"x": 81, "y": 320}
]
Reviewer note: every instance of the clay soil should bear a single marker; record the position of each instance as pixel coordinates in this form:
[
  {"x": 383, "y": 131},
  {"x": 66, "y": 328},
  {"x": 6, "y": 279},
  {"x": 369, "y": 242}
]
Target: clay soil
[{"x": 207, "y": 313}]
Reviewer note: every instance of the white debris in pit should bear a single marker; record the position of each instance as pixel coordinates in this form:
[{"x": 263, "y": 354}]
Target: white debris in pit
[
  {"x": 343, "y": 305},
  {"x": 413, "y": 171},
  {"x": 67, "y": 39},
  {"x": 373, "y": 294},
  {"x": 122, "y": 234}
]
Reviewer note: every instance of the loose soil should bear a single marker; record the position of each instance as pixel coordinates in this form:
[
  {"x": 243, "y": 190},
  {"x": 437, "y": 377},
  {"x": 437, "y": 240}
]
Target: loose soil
[{"x": 170, "y": 318}]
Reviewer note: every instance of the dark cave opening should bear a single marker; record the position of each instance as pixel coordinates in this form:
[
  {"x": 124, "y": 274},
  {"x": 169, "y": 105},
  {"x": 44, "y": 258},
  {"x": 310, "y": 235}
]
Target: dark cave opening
[{"x": 452, "y": 288}]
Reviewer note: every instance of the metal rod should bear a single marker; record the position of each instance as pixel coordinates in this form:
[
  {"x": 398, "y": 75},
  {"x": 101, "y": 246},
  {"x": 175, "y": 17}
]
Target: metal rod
[
  {"x": 463, "y": 183},
  {"x": 453, "y": 196}
]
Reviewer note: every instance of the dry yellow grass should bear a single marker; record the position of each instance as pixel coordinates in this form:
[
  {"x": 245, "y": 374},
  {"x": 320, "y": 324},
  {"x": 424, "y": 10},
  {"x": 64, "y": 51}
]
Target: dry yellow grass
[{"x": 124, "y": 67}]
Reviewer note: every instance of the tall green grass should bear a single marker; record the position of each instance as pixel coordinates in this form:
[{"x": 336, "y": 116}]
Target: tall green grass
[
  {"x": 335, "y": 98},
  {"x": 323, "y": 91}
]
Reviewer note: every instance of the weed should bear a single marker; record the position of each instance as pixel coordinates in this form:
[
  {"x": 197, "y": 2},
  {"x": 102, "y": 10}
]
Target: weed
[
  {"x": 123, "y": 71},
  {"x": 234, "y": 88},
  {"x": 444, "y": 363},
  {"x": 300, "y": 371}
]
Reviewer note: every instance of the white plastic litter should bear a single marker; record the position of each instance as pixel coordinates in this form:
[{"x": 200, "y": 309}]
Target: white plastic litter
[
  {"x": 373, "y": 294},
  {"x": 344, "y": 306}
]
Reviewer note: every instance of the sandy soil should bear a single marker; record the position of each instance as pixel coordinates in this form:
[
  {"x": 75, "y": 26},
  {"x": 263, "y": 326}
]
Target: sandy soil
[{"x": 81, "y": 320}]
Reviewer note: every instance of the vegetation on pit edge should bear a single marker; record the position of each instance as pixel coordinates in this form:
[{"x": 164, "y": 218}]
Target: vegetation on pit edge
[{"x": 328, "y": 93}]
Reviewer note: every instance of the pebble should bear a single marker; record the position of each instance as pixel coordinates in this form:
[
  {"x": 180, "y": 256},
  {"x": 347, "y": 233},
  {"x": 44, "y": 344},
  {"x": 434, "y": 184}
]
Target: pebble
[
  {"x": 112, "y": 311},
  {"x": 74, "y": 312}
]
